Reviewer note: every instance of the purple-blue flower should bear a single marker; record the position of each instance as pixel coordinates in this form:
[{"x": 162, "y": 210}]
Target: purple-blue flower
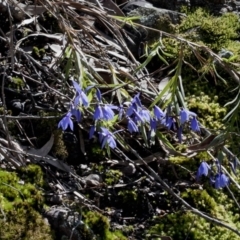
[
  {"x": 91, "y": 131},
  {"x": 76, "y": 112},
  {"x": 185, "y": 114},
  {"x": 98, "y": 94},
  {"x": 221, "y": 180},
  {"x": 137, "y": 117},
  {"x": 66, "y": 122},
  {"x": 120, "y": 112},
  {"x": 106, "y": 137},
  {"x": 169, "y": 122},
  {"x": 194, "y": 124},
  {"x": 81, "y": 97},
  {"x": 104, "y": 112},
  {"x": 202, "y": 170},
  {"x": 153, "y": 124},
  {"x": 137, "y": 100},
  {"x": 145, "y": 115},
  {"x": 134, "y": 105},
  {"x": 158, "y": 113},
  {"x": 108, "y": 113},
  {"x": 179, "y": 134},
  {"x": 98, "y": 113},
  {"x": 132, "y": 127}
]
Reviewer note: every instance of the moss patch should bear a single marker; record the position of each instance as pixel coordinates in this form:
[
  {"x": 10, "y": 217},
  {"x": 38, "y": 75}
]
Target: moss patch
[{"x": 21, "y": 203}]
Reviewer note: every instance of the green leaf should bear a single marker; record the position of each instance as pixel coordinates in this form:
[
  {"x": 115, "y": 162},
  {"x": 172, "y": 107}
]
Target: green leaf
[
  {"x": 144, "y": 134},
  {"x": 234, "y": 100},
  {"x": 219, "y": 139},
  {"x": 162, "y": 58},
  {"x": 159, "y": 97},
  {"x": 231, "y": 113},
  {"x": 220, "y": 157},
  {"x": 164, "y": 140},
  {"x": 115, "y": 81}
]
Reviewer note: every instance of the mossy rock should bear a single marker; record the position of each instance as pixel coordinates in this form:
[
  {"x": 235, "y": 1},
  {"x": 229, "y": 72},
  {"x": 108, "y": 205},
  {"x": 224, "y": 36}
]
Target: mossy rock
[{"x": 21, "y": 203}]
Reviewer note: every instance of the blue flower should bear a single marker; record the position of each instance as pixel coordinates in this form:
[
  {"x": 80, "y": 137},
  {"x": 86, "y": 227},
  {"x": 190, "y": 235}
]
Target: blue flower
[
  {"x": 185, "y": 114},
  {"x": 202, "y": 170},
  {"x": 153, "y": 124},
  {"x": 106, "y": 137},
  {"x": 136, "y": 100},
  {"x": 145, "y": 115},
  {"x": 76, "y": 112},
  {"x": 120, "y": 112},
  {"x": 169, "y": 122},
  {"x": 179, "y": 134},
  {"x": 98, "y": 94},
  {"x": 134, "y": 105},
  {"x": 66, "y": 122},
  {"x": 91, "y": 132},
  {"x": 98, "y": 114},
  {"x": 194, "y": 125},
  {"x": 221, "y": 180},
  {"x": 132, "y": 127},
  {"x": 158, "y": 113},
  {"x": 104, "y": 112},
  {"x": 81, "y": 97},
  {"x": 108, "y": 113},
  {"x": 137, "y": 117}
]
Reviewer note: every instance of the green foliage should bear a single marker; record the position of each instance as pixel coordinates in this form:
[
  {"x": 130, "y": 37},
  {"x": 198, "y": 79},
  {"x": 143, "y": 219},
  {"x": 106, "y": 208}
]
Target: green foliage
[
  {"x": 211, "y": 201},
  {"x": 112, "y": 176},
  {"x": 32, "y": 174},
  {"x": 215, "y": 32},
  {"x": 128, "y": 196},
  {"x": 18, "y": 82},
  {"x": 96, "y": 153},
  {"x": 38, "y": 53},
  {"x": 100, "y": 227},
  {"x": 200, "y": 199},
  {"x": 208, "y": 109},
  {"x": 181, "y": 225},
  {"x": 20, "y": 201}
]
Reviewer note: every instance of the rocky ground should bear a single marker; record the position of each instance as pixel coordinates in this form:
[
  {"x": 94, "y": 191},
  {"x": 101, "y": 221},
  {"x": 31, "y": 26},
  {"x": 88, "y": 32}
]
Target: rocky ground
[{"x": 97, "y": 141}]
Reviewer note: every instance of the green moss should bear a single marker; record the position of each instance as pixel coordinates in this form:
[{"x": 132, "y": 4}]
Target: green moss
[
  {"x": 128, "y": 196},
  {"x": 59, "y": 147},
  {"x": 216, "y": 32},
  {"x": 179, "y": 225},
  {"x": 32, "y": 174},
  {"x": 208, "y": 109},
  {"x": 38, "y": 53},
  {"x": 96, "y": 153},
  {"x": 100, "y": 227},
  {"x": 21, "y": 202},
  {"x": 18, "y": 81},
  {"x": 112, "y": 177},
  {"x": 182, "y": 225}
]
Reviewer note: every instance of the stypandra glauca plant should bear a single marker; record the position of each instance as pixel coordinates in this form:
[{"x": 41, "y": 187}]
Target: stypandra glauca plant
[{"x": 120, "y": 112}]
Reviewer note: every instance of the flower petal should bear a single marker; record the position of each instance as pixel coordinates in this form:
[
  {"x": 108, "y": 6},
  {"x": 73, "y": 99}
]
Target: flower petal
[
  {"x": 194, "y": 125},
  {"x": 202, "y": 170},
  {"x": 184, "y": 116},
  {"x": 132, "y": 127},
  {"x": 158, "y": 113},
  {"x": 77, "y": 86}
]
